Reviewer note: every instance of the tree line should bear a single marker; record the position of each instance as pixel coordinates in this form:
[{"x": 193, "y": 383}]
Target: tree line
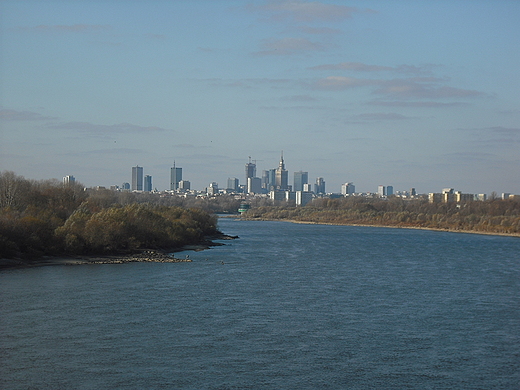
[
  {"x": 39, "y": 218},
  {"x": 493, "y": 216}
]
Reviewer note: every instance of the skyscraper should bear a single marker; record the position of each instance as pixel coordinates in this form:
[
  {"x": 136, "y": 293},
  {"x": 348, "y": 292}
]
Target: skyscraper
[
  {"x": 250, "y": 169},
  {"x": 300, "y": 178},
  {"x": 319, "y": 187},
  {"x": 282, "y": 176},
  {"x": 148, "y": 183},
  {"x": 175, "y": 177},
  {"x": 232, "y": 184},
  {"x": 137, "y": 178}
]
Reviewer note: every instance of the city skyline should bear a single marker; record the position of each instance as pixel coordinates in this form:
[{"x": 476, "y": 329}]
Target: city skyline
[{"x": 413, "y": 94}]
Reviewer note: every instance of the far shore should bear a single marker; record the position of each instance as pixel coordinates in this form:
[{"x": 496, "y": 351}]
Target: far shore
[{"x": 390, "y": 226}]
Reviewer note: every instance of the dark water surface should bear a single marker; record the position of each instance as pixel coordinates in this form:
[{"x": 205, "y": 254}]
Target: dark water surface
[{"x": 292, "y": 307}]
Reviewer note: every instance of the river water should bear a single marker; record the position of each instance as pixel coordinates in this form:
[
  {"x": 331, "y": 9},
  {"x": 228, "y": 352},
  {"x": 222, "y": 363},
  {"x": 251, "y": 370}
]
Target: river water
[{"x": 285, "y": 306}]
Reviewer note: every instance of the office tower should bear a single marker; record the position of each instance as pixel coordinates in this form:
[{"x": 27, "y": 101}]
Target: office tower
[
  {"x": 254, "y": 185},
  {"x": 265, "y": 179},
  {"x": 137, "y": 178},
  {"x": 348, "y": 189},
  {"x": 413, "y": 192},
  {"x": 319, "y": 187},
  {"x": 125, "y": 186},
  {"x": 282, "y": 176},
  {"x": 250, "y": 169},
  {"x": 272, "y": 178},
  {"x": 389, "y": 190},
  {"x": 300, "y": 178},
  {"x": 232, "y": 184},
  {"x": 381, "y": 190},
  {"x": 148, "y": 183},
  {"x": 175, "y": 177},
  {"x": 69, "y": 180}
]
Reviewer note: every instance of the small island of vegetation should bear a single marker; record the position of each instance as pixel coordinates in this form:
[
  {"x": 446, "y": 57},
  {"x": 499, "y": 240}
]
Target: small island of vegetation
[{"x": 48, "y": 218}]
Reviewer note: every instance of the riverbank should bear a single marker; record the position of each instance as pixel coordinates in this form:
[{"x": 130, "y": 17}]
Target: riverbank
[
  {"x": 403, "y": 227},
  {"x": 143, "y": 256}
]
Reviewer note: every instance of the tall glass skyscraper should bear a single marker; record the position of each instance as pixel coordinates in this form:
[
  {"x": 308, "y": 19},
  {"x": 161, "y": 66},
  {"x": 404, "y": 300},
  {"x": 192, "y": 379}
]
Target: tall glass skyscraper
[
  {"x": 137, "y": 178},
  {"x": 175, "y": 177},
  {"x": 148, "y": 183},
  {"x": 300, "y": 178}
]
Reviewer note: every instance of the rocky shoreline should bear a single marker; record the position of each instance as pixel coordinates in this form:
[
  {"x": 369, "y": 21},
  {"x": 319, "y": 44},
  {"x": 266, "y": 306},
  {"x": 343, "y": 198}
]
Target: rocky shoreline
[{"x": 143, "y": 256}]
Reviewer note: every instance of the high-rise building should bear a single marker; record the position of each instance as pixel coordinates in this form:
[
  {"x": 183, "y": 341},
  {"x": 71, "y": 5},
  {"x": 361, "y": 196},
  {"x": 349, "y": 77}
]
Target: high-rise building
[
  {"x": 175, "y": 177},
  {"x": 184, "y": 185},
  {"x": 348, "y": 189},
  {"x": 389, "y": 190},
  {"x": 307, "y": 187},
  {"x": 381, "y": 190},
  {"x": 137, "y": 178},
  {"x": 319, "y": 187},
  {"x": 148, "y": 183},
  {"x": 69, "y": 180},
  {"x": 254, "y": 185},
  {"x": 265, "y": 179},
  {"x": 250, "y": 169},
  {"x": 300, "y": 178},
  {"x": 232, "y": 184},
  {"x": 282, "y": 176}
]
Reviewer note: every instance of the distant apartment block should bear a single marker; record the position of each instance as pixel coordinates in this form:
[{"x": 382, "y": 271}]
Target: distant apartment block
[
  {"x": 184, "y": 185},
  {"x": 449, "y": 195},
  {"x": 69, "y": 180},
  {"x": 303, "y": 197},
  {"x": 348, "y": 189}
]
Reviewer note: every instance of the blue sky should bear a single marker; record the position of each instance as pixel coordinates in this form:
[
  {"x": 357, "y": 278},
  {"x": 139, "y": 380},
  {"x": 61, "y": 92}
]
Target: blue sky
[{"x": 420, "y": 94}]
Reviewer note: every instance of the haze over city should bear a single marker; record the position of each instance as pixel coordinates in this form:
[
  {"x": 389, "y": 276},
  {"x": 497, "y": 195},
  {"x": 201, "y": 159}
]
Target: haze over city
[{"x": 405, "y": 93}]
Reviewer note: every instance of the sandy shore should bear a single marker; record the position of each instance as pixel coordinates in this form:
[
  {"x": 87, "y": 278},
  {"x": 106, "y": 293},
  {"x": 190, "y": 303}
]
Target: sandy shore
[{"x": 402, "y": 227}]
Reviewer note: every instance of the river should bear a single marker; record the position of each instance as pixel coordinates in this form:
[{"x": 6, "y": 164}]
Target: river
[{"x": 285, "y": 306}]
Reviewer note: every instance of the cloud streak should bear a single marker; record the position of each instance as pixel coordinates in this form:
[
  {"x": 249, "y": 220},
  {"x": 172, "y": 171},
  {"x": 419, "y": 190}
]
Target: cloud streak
[
  {"x": 72, "y": 28},
  {"x": 412, "y": 88},
  {"x": 304, "y": 11},
  {"x": 13, "y": 115},
  {"x": 361, "y": 67},
  {"x": 95, "y": 129},
  {"x": 288, "y": 46}
]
